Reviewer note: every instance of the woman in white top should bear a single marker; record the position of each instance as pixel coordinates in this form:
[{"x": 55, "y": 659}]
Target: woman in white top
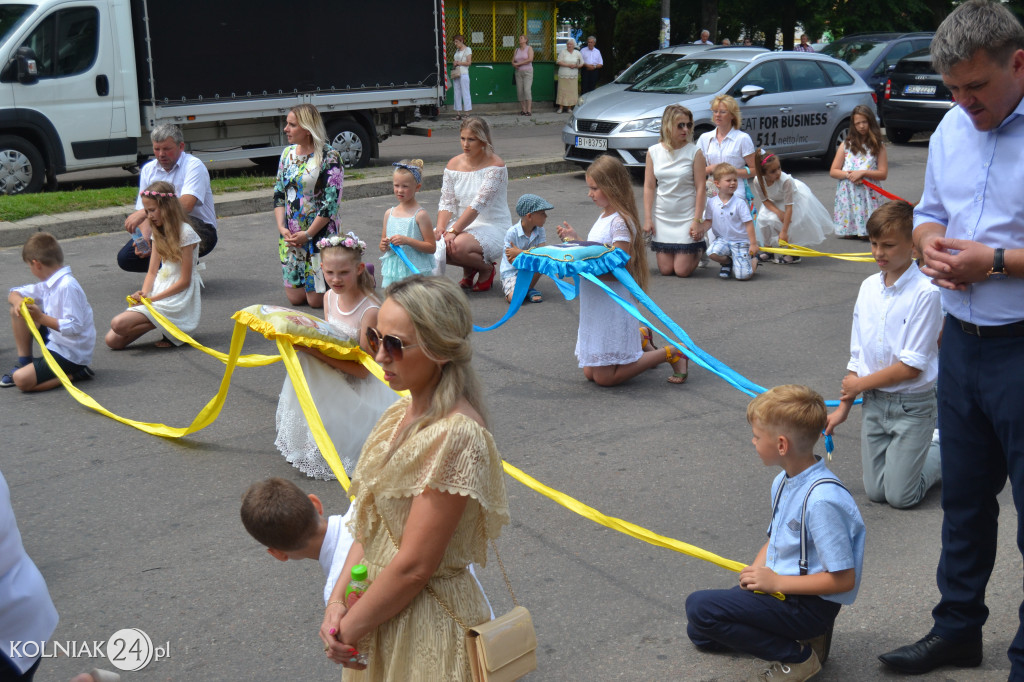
[
  {"x": 473, "y": 214},
  {"x": 569, "y": 63},
  {"x": 727, "y": 143},
  {"x": 460, "y": 76},
  {"x": 674, "y": 195}
]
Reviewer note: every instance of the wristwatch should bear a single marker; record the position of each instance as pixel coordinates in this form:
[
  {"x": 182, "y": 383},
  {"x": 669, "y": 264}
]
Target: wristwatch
[{"x": 998, "y": 270}]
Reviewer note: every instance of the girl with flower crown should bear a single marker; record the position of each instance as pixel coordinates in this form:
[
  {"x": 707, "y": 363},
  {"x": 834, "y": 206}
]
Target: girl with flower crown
[
  {"x": 172, "y": 283},
  {"x": 349, "y": 399}
]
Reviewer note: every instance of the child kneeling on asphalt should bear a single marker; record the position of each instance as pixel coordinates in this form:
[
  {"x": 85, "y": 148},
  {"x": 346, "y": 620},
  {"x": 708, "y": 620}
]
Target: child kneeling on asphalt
[
  {"x": 814, "y": 553},
  {"x": 735, "y": 245},
  {"x": 528, "y": 233},
  {"x": 63, "y": 314}
]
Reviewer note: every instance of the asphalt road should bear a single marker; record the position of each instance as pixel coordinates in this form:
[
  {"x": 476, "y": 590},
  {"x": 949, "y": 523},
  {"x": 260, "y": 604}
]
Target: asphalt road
[{"x": 134, "y": 531}]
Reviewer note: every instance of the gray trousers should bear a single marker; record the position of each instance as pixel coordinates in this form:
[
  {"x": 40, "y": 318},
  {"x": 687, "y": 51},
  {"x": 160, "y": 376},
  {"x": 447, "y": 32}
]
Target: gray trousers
[{"x": 900, "y": 464}]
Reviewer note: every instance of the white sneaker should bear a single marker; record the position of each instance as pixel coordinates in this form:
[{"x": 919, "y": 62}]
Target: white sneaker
[{"x": 795, "y": 672}]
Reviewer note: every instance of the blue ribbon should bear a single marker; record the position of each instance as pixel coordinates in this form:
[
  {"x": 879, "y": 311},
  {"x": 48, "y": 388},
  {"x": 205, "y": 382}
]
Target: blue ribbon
[{"x": 400, "y": 252}]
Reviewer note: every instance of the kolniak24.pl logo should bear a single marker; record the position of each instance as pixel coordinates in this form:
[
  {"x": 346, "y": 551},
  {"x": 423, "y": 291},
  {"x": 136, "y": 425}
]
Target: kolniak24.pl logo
[{"x": 127, "y": 649}]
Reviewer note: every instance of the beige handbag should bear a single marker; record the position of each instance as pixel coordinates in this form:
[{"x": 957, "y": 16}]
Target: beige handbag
[{"x": 500, "y": 650}]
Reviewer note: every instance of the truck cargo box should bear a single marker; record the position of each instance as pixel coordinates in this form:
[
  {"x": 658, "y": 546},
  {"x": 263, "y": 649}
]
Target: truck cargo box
[{"x": 238, "y": 49}]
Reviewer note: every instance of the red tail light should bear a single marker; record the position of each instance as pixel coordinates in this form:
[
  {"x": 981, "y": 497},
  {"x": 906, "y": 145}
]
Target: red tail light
[
  {"x": 888, "y": 88},
  {"x": 874, "y": 97}
]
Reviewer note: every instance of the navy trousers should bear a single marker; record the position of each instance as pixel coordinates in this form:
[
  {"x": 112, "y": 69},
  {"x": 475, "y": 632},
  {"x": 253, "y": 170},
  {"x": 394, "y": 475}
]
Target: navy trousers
[
  {"x": 981, "y": 412},
  {"x": 128, "y": 261},
  {"x": 757, "y": 624}
]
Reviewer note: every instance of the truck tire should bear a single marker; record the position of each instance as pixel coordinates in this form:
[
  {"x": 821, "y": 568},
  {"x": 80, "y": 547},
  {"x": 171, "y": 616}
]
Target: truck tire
[
  {"x": 899, "y": 135},
  {"x": 21, "y": 166},
  {"x": 838, "y": 137},
  {"x": 351, "y": 141}
]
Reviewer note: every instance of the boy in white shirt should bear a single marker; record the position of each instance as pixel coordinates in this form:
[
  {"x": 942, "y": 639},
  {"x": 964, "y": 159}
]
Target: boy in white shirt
[
  {"x": 527, "y": 234},
  {"x": 60, "y": 306},
  {"x": 735, "y": 244},
  {"x": 894, "y": 362}
]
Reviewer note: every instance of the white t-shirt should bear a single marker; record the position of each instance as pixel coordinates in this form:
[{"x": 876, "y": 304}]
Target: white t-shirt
[
  {"x": 727, "y": 218},
  {"x": 334, "y": 550}
]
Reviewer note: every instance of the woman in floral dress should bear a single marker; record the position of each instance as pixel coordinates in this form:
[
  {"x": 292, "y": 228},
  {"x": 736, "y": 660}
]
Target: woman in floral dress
[{"x": 306, "y": 196}]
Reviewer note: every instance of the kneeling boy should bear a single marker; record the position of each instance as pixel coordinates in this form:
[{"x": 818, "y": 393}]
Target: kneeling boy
[{"x": 813, "y": 516}]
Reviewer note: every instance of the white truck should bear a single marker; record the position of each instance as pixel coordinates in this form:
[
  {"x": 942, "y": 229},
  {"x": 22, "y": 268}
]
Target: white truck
[{"x": 82, "y": 82}]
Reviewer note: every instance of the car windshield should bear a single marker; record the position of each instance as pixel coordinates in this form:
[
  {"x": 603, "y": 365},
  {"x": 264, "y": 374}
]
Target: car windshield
[
  {"x": 691, "y": 77},
  {"x": 11, "y": 16},
  {"x": 859, "y": 54},
  {"x": 644, "y": 67}
]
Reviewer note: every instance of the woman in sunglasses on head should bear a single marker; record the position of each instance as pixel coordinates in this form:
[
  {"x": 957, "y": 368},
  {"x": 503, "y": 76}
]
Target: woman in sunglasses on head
[
  {"x": 674, "y": 189},
  {"x": 428, "y": 493}
]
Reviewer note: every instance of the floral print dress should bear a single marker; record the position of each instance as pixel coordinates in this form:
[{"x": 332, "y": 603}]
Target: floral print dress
[
  {"x": 855, "y": 202},
  {"x": 307, "y": 192}
]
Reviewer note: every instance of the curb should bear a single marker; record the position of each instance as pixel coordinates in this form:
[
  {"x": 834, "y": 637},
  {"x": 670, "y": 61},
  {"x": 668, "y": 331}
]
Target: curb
[{"x": 111, "y": 220}]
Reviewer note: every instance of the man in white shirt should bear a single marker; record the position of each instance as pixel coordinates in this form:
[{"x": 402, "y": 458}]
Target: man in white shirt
[
  {"x": 191, "y": 183},
  {"x": 705, "y": 38},
  {"x": 592, "y": 64}
]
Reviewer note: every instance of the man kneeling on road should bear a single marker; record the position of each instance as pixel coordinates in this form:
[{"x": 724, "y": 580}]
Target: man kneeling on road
[{"x": 191, "y": 183}]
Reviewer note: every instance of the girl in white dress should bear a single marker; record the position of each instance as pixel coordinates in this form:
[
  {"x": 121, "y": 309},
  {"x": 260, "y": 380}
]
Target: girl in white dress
[
  {"x": 172, "y": 283},
  {"x": 674, "y": 188},
  {"x": 609, "y": 346},
  {"x": 790, "y": 213},
  {"x": 349, "y": 399}
]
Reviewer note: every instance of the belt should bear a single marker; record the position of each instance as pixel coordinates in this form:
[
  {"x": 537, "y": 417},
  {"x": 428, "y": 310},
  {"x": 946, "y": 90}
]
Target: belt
[{"x": 1003, "y": 330}]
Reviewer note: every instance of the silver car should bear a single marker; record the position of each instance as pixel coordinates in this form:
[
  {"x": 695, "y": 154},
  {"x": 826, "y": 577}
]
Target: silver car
[
  {"x": 642, "y": 68},
  {"x": 794, "y": 103}
]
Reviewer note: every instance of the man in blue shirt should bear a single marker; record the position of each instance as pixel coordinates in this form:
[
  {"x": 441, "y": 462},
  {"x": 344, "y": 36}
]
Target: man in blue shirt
[{"x": 969, "y": 227}]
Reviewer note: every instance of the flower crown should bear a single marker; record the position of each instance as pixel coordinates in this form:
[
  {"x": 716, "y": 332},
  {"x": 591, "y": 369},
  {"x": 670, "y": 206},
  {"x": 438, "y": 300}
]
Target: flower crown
[
  {"x": 348, "y": 240},
  {"x": 147, "y": 193}
]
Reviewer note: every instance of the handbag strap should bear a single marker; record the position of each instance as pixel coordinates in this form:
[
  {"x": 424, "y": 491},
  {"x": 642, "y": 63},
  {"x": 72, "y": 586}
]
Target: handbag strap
[{"x": 430, "y": 589}]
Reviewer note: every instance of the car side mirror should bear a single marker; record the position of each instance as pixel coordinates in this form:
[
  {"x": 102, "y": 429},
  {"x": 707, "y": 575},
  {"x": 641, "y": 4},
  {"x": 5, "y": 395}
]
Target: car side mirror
[
  {"x": 890, "y": 68},
  {"x": 28, "y": 70},
  {"x": 749, "y": 92}
]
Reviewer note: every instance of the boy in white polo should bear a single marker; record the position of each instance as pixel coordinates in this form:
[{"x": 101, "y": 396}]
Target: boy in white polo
[
  {"x": 735, "y": 244},
  {"x": 894, "y": 362}
]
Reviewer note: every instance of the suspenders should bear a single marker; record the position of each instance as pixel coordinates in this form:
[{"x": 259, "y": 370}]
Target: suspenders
[{"x": 803, "y": 515}]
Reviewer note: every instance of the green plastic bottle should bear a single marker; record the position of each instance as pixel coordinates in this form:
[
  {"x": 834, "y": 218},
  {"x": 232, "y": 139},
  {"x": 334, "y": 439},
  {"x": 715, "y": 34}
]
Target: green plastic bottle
[{"x": 355, "y": 589}]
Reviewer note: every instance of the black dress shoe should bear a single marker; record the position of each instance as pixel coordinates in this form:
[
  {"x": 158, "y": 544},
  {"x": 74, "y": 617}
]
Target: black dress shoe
[{"x": 931, "y": 652}]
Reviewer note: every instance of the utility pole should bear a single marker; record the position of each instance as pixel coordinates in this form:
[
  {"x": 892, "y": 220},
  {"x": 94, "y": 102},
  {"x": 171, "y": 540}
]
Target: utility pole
[{"x": 666, "y": 23}]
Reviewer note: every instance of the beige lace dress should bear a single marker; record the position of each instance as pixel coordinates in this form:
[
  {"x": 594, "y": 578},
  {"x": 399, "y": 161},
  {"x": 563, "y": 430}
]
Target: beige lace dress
[{"x": 455, "y": 455}]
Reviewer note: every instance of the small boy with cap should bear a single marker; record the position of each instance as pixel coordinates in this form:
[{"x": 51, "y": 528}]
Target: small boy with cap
[{"x": 528, "y": 233}]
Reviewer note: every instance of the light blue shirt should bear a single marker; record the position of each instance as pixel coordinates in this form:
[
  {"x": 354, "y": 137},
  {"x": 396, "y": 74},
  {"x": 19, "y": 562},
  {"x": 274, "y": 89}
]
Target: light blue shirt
[
  {"x": 973, "y": 185},
  {"x": 835, "y": 529},
  {"x": 517, "y": 238}
]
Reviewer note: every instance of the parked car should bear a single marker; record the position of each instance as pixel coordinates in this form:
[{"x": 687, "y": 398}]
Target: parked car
[
  {"x": 796, "y": 103},
  {"x": 642, "y": 68},
  {"x": 872, "y": 55},
  {"x": 915, "y": 99}
]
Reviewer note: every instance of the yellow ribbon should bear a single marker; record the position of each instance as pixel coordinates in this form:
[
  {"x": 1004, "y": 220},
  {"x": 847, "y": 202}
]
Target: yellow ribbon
[
  {"x": 787, "y": 249},
  {"x": 291, "y": 362}
]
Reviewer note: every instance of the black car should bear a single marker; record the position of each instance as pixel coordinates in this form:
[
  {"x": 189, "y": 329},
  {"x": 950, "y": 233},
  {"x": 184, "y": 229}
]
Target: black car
[
  {"x": 872, "y": 55},
  {"x": 914, "y": 99}
]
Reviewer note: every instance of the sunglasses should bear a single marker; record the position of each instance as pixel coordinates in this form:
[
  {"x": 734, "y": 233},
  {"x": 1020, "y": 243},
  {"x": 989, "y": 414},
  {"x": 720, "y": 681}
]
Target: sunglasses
[
  {"x": 680, "y": 126},
  {"x": 393, "y": 345}
]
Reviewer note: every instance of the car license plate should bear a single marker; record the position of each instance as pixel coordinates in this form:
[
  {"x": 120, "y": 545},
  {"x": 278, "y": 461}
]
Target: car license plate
[
  {"x": 919, "y": 90},
  {"x": 592, "y": 143}
]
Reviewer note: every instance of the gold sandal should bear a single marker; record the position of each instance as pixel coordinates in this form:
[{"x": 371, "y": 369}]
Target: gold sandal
[{"x": 673, "y": 356}]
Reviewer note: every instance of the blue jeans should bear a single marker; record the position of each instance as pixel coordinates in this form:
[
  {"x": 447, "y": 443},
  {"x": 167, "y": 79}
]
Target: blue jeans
[
  {"x": 981, "y": 393},
  {"x": 757, "y": 624}
]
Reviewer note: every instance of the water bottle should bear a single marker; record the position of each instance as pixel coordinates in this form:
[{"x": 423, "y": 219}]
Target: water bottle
[
  {"x": 355, "y": 589},
  {"x": 141, "y": 243}
]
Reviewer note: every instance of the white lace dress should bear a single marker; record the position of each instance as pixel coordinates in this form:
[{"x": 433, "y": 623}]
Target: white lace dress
[
  {"x": 810, "y": 220},
  {"x": 485, "y": 191},
  {"x": 183, "y": 308},
  {"x": 349, "y": 407},
  {"x": 608, "y": 335}
]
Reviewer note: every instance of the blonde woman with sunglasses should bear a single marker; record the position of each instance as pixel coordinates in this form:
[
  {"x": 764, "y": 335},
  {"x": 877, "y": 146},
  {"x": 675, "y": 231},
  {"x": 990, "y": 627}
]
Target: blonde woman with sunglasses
[
  {"x": 429, "y": 495},
  {"x": 674, "y": 195}
]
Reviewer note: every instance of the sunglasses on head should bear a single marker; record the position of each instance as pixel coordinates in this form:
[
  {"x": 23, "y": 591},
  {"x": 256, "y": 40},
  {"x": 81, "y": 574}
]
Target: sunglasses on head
[
  {"x": 680, "y": 126},
  {"x": 393, "y": 345}
]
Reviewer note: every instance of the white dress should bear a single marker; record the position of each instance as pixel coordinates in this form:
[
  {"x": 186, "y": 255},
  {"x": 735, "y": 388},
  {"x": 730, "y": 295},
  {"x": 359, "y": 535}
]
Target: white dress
[
  {"x": 349, "y": 407},
  {"x": 676, "y": 199},
  {"x": 810, "y": 219},
  {"x": 608, "y": 335},
  {"x": 485, "y": 191},
  {"x": 184, "y": 307}
]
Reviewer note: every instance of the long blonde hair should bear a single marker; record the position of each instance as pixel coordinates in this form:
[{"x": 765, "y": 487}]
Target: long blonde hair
[
  {"x": 442, "y": 320},
  {"x": 167, "y": 235},
  {"x": 612, "y": 178},
  {"x": 858, "y": 143},
  {"x": 308, "y": 118},
  {"x": 668, "y": 120}
]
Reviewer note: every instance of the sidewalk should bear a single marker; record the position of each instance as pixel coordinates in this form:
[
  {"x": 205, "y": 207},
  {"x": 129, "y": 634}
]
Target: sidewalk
[{"x": 376, "y": 181}]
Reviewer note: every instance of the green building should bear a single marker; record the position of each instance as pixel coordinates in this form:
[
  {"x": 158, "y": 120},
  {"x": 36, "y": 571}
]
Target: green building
[{"x": 492, "y": 29}]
